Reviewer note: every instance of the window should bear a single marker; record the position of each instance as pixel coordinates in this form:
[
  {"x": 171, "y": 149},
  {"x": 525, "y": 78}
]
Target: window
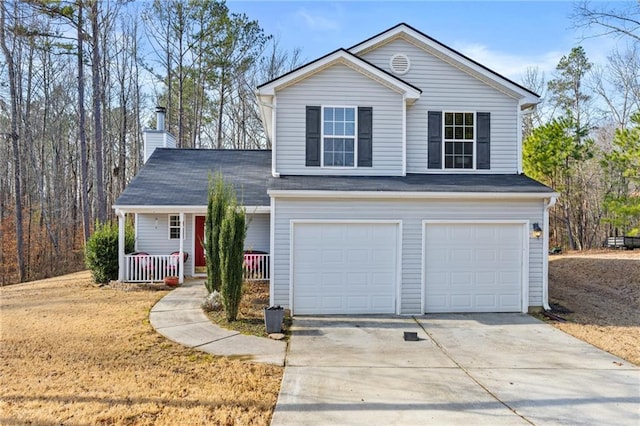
[
  {"x": 338, "y": 136},
  {"x": 459, "y": 140},
  {"x": 174, "y": 227}
]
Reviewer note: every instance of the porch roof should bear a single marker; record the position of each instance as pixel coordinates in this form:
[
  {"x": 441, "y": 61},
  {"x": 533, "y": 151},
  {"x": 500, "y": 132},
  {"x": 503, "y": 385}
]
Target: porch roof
[{"x": 180, "y": 177}]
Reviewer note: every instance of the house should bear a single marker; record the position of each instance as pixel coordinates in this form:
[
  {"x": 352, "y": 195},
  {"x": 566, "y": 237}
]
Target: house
[{"x": 394, "y": 186}]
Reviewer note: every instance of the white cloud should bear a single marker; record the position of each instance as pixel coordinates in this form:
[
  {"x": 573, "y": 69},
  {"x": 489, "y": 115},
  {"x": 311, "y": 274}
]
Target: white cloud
[
  {"x": 512, "y": 66},
  {"x": 317, "y": 22}
]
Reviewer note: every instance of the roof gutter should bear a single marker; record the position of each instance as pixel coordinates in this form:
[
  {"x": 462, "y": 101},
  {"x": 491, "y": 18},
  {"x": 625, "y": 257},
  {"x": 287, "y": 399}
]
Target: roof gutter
[
  {"x": 184, "y": 209},
  {"x": 280, "y": 193}
]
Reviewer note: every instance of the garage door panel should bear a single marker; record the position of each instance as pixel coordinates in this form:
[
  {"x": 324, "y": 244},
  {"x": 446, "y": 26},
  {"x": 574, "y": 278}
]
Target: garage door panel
[
  {"x": 357, "y": 256},
  {"x": 354, "y": 270},
  {"x": 461, "y": 301},
  {"x": 474, "y": 267},
  {"x": 357, "y": 303}
]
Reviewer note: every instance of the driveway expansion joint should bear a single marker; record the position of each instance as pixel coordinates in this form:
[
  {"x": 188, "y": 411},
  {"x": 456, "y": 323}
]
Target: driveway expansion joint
[
  {"x": 215, "y": 340},
  {"x": 468, "y": 373},
  {"x": 185, "y": 324}
]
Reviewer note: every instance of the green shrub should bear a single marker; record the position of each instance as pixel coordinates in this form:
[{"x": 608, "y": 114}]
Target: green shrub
[
  {"x": 101, "y": 251},
  {"x": 220, "y": 195},
  {"x": 232, "y": 234}
]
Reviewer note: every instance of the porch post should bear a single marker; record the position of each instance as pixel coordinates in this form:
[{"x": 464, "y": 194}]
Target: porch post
[
  {"x": 121, "y": 227},
  {"x": 181, "y": 261}
]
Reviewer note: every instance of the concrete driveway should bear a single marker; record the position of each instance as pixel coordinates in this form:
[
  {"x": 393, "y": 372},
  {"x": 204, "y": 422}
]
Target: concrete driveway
[{"x": 466, "y": 369}]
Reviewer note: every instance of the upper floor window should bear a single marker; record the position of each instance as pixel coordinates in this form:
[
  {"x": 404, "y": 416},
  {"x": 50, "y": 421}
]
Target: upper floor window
[
  {"x": 459, "y": 140},
  {"x": 338, "y": 136},
  {"x": 174, "y": 227}
]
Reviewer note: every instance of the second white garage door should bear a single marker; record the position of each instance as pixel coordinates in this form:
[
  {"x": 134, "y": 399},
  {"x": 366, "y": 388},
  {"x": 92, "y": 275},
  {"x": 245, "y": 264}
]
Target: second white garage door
[
  {"x": 344, "y": 268},
  {"x": 473, "y": 267}
]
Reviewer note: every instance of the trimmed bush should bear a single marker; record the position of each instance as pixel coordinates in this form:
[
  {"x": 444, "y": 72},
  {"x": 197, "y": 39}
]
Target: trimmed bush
[
  {"x": 101, "y": 251},
  {"x": 232, "y": 234},
  {"x": 220, "y": 196}
]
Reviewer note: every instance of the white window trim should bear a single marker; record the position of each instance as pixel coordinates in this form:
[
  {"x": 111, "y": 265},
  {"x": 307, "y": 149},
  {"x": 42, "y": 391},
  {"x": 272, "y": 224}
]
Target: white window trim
[
  {"x": 355, "y": 137},
  {"x": 169, "y": 227},
  {"x": 475, "y": 141}
]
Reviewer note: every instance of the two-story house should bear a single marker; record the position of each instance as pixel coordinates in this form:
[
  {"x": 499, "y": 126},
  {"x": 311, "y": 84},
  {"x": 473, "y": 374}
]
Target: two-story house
[{"x": 394, "y": 186}]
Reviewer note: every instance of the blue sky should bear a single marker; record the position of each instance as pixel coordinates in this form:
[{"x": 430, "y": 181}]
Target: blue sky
[{"x": 507, "y": 36}]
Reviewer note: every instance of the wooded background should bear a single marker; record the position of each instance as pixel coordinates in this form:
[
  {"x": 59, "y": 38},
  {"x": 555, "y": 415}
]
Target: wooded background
[{"x": 79, "y": 80}]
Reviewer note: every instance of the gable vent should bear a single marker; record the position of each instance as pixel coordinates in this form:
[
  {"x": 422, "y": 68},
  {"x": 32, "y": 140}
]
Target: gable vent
[{"x": 400, "y": 63}]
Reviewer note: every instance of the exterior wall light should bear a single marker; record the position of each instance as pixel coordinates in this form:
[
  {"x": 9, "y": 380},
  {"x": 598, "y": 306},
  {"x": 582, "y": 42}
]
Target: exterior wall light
[{"x": 537, "y": 231}]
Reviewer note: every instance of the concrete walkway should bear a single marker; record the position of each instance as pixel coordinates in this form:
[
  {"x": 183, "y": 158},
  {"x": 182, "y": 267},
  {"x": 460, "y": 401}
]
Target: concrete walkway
[
  {"x": 475, "y": 369},
  {"x": 178, "y": 317}
]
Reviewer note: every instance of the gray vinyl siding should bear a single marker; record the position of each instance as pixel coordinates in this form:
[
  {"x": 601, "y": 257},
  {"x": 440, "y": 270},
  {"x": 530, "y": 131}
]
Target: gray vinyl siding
[
  {"x": 155, "y": 240},
  {"x": 338, "y": 86},
  {"x": 257, "y": 232},
  {"x": 156, "y": 139},
  {"x": 447, "y": 88},
  {"x": 411, "y": 213}
]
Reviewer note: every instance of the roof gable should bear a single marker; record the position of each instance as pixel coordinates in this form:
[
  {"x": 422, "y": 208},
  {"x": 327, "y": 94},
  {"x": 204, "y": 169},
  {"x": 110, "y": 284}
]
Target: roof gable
[
  {"x": 406, "y": 32},
  {"x": 341, "y": 56}
]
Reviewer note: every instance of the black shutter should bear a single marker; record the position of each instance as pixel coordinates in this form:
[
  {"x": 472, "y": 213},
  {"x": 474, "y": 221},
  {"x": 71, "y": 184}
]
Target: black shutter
[
  {"x": 434, "y": 146},
  {"x": 313, "y": 136},
  {"x": 365, "y": 137},
  {"x": 483, "y": 141}
]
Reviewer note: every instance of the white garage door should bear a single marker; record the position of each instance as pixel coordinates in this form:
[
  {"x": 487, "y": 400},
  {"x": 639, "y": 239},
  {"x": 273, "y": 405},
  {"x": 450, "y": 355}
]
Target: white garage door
[
  {"x": 473, "y": 267},
  {"x": 344, "y": 268}
]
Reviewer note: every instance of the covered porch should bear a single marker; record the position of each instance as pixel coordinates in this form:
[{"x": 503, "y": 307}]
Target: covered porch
[{"x": 169, "y": 243}]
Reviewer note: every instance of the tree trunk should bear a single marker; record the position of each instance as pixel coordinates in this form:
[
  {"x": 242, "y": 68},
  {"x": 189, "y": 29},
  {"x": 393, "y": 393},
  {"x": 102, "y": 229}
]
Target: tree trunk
[
  {"x": 101, "y": 213},
  {"x": 84, "y": 164},
  {"x": 11, "y": 70}
]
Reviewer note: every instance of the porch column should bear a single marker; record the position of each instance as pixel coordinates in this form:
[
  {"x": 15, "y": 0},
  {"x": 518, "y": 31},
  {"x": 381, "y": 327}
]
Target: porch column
[
  {"x": 181, "y": 261},
  {"x": 121, "y": 238}
]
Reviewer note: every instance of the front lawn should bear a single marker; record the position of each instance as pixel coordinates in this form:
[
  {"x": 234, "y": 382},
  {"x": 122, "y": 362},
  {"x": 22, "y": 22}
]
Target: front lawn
[{"x": 74, "y": 353}]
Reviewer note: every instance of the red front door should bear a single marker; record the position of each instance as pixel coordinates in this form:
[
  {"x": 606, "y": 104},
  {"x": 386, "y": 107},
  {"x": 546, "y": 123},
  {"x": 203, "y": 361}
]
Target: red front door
[{"x": 200, "y": 262}]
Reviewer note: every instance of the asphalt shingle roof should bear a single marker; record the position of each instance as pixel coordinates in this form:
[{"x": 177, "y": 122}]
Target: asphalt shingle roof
[
  {"x": 413, "y": 183},
  {"x": 180, "y": 177}
]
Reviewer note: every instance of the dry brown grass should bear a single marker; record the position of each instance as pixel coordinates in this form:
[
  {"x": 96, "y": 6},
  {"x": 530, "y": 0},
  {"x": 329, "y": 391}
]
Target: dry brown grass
[
  {"x": 602, "y": 289},
  {"x": 76, "y": 354}
]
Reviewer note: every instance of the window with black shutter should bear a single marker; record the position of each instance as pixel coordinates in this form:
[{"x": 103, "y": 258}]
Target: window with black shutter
[
  {"x": 339, "y": 136},
  {"x": 459, "y": 140}
]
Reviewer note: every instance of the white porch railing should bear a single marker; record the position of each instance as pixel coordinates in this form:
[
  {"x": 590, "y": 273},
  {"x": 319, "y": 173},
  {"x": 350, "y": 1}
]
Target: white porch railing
[
  {"x": 153, "y": 267},
  {"x": 150, "y": 268},
  {"x": 256, "y": 266}
]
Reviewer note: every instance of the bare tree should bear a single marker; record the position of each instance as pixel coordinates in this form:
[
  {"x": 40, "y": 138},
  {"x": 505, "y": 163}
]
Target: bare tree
[
  {"x": 101, "y": 213},
  {"x": 618, "y": 85},
  {"x": 15, "y": 140},
  {"x": 622, "y": 20}
]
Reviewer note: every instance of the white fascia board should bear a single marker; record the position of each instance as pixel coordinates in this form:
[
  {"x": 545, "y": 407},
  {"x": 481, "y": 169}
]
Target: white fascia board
[
  {"x": 410, "y": 195},
  {"x": 183, "y": 209},
  {"x": 462, "y": 61},
  {"x": 412, "y": 94}
]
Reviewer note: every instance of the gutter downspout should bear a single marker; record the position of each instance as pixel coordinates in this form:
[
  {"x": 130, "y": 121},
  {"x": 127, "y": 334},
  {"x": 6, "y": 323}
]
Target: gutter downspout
[
  {"x": 271, "y": 136},
  {"x": 181, "y": 259},
  {"x": 545, "y": 254},
  {"x": 274, "y": 108},
  {"x": 121, "y": 236}
]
